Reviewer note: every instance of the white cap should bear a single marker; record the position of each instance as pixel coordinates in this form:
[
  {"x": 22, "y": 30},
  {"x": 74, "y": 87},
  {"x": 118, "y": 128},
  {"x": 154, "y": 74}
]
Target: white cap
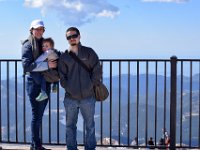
[{"x": 36, "y": 24}]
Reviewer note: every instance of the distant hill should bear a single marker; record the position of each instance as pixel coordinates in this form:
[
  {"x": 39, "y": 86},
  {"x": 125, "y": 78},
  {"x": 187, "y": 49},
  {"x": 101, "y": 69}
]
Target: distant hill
[{"x": 10, "y": 101}]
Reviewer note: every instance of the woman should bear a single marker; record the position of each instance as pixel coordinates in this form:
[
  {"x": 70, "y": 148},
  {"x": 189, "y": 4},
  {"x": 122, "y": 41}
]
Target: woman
[{"x": 31, "y": 49}]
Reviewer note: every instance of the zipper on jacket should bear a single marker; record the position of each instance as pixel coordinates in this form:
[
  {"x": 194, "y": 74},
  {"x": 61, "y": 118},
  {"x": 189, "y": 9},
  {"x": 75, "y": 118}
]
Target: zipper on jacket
[{"x": 79, "y": 74}]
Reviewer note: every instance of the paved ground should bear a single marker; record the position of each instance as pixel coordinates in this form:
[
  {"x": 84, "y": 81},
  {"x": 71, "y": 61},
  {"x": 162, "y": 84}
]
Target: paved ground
[{"x": 27, "y": 147}]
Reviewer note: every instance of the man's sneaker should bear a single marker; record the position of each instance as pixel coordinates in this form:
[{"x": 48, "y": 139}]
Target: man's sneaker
[
  {"x": 41, "y": 97},
  {"x": 43, "y": 148},
  {"x": 54, "y": 88},
  {"x": 38, "y": 148}
]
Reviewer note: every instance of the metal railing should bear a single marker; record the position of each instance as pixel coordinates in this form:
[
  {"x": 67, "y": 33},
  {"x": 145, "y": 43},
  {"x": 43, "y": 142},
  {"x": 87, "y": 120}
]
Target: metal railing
[{"x": 148, "y": 98}]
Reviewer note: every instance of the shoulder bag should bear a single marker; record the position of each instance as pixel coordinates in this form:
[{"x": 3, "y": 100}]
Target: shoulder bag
[{"x": 100, "y": 90}]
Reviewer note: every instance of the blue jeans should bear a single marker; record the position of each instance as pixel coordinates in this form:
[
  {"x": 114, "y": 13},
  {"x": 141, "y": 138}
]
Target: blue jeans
[
  {"x": 33, "y": 90},
  {"x": 39, "y": 79},
  {"x": 87, "y": 108}
]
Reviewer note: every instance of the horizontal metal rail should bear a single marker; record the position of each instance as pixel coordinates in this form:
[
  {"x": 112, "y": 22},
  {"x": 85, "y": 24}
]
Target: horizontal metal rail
[{"x": 148, "y": 99}]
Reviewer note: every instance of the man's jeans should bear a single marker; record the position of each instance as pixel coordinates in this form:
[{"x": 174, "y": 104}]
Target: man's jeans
[
  {"x": 87, "y": 108},
  {"x": 38, "y": 108}
]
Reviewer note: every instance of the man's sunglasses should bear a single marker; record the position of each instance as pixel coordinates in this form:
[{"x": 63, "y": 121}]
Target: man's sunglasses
[{"x": 72, "y": 36}]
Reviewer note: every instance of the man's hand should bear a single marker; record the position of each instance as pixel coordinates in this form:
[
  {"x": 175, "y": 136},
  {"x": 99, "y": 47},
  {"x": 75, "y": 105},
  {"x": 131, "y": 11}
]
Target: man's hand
[{"x": 52, "y": 63}]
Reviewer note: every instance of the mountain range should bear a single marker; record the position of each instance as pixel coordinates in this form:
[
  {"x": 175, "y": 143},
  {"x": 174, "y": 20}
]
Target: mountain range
[{"x": 128, "y": 94}]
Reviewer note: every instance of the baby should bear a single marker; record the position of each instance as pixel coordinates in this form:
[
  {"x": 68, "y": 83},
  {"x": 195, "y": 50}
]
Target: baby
[{"x": 49, "y": 54}]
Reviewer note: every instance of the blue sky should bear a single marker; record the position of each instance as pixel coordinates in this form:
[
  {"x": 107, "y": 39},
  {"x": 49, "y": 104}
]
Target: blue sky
[{"x": 113, "y": 28}]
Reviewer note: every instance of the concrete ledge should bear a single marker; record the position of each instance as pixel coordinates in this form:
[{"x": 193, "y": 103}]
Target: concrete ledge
[
  {"x": 27, "y": 147},
  {"x": 7, "y": 146}
]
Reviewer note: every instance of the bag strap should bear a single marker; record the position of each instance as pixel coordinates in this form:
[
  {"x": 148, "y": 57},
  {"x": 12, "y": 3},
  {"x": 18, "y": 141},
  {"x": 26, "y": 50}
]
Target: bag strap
[{"x": 79, "y": 61}]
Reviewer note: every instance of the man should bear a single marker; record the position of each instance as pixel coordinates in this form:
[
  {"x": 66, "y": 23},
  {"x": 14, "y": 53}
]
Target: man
[
  {"x": 31, "y": 49},
  {"x": 78, "y": 84}
]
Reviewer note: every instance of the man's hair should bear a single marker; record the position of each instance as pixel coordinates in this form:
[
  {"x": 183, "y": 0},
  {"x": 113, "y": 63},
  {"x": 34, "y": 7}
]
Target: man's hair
[
  {"x": 50, "y": 40},
  {"x": 73, "y": 29}
]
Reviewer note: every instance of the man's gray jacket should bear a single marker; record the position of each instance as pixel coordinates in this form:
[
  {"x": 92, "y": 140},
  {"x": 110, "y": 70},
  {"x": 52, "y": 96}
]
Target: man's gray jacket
[{"x": 78, "y": 82}]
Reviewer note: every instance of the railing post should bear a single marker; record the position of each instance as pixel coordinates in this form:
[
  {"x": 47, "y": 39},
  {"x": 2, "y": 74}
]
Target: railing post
[{"x": 173, "y": 103}]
